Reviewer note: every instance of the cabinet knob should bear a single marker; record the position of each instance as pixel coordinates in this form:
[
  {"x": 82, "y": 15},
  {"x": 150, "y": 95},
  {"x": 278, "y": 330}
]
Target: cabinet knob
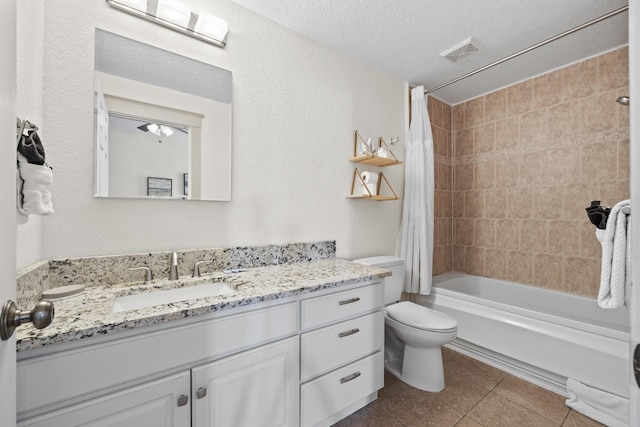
[
  {"x": 201, "y": 392},
  {"x": 183, "y": 400}
]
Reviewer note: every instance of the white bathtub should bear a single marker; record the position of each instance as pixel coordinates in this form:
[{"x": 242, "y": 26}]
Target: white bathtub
[{"x": 542, "y": 335}]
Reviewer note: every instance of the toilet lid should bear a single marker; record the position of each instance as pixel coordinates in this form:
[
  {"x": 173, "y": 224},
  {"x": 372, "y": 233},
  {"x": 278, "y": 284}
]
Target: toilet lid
[{"x": 421, "y": 317}]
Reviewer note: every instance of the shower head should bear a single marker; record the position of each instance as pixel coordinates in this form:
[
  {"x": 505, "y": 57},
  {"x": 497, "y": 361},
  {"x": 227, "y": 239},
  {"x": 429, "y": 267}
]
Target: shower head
[{"x": 624, "y": 100}]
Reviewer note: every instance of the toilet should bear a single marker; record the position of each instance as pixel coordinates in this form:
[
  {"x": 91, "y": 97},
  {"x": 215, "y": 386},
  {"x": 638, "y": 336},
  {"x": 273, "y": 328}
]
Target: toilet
[{"x": 413, "y": 333}]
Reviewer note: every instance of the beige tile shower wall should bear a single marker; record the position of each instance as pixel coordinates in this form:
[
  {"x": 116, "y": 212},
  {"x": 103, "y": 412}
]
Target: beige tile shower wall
[
  {"x": 527, "y": 160},
  {"x": 440, "y": 114}
]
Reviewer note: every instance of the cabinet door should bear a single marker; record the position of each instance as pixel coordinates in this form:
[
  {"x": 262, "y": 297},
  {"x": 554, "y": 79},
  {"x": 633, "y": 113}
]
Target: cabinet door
[
  {"x": 154, "y": 404},
  {"x": 255, "y": 388}
]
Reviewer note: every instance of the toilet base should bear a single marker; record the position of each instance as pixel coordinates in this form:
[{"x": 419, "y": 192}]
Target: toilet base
[
  {"x": 422, "y": 368},
  {"x": 415, "y": 372}
]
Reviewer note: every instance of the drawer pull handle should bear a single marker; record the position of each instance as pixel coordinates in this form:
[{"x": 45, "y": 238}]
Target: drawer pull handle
[
  {"x": 201, "y": 392},
  {"x": 350, "y": 377},
  {"x": 349, "y": 301},
  {"x": 183, "y": 400},
  {"x": 347, "y": 333}
]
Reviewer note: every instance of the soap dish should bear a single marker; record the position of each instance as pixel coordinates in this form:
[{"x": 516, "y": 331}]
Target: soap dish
[{"x": 62, "y": 292}]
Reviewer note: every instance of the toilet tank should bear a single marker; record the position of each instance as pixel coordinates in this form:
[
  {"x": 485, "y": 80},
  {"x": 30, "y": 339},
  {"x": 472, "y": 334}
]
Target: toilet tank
[{"x": 394, "y": 284}]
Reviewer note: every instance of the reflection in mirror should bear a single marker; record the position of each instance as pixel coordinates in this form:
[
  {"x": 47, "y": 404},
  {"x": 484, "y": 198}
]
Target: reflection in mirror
[
  {"x": 131, "y": 140},
  {"x": 163, "y": 116}
]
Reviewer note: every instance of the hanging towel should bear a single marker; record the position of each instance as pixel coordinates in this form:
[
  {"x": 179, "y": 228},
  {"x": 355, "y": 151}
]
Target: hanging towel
[
  {"x": 36, "y": 182},
  {"x": 604, "y": 407},
  {"x": 31, "y": 148},
  {"x": 615, "y": 271}
]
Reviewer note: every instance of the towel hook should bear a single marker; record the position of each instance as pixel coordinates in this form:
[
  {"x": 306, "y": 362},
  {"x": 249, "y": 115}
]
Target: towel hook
[{"x": 20, "y": 125}]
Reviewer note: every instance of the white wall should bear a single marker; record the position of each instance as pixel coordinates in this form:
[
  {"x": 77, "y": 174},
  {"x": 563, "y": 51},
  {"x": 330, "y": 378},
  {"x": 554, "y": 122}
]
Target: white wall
[{"x": 295, "y": 106}]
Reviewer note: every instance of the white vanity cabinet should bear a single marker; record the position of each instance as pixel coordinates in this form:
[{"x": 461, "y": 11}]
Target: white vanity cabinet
[
  {"x": 135, "y": 381},
  {"x": 160, "y": 403},
  {"x": 254, "y": 388},
  {"x": 341, "y": 351},
  {"x": 310, "y": 359}
]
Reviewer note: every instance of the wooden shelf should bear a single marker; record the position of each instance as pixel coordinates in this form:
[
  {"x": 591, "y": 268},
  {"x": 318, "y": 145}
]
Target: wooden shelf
[
  {"x": 370, "y": 159},
  {"x": 378, "y": 197}
]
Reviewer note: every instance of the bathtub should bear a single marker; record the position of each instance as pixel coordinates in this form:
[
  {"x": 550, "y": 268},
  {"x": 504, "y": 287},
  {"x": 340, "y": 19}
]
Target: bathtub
[{"x": 541, "y": 335}]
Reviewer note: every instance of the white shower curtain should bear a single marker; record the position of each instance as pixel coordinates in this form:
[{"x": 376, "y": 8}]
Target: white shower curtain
[{"x": 416, "y": 240}]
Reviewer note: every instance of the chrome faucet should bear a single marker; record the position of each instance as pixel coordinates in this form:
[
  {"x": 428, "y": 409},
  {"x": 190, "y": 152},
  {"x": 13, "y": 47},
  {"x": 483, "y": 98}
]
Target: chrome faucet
[
  {"x": 173, "y": 270},
  {"x": 196, "y": 268},
  {"x": 148, "y": 276}
]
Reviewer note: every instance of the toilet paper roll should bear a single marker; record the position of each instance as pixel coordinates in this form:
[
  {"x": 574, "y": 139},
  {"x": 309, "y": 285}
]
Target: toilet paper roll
[
  {"x": 370, "y": 177},
  {"x": 373, "y": 190}
]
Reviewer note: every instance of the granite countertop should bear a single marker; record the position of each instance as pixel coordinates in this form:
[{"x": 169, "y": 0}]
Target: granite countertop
[{"x": 89, "y": 314}]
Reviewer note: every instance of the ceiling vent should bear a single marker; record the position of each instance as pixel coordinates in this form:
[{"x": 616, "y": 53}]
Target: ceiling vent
[{"x": 461, "y": 50}]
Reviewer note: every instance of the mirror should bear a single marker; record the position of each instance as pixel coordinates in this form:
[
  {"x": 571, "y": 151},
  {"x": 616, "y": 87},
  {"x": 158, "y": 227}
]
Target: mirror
[{"x": 163, "y": 123}]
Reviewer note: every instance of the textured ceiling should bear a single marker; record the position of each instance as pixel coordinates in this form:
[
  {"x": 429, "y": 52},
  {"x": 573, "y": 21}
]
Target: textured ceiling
[{"x": 404, "y": 38}]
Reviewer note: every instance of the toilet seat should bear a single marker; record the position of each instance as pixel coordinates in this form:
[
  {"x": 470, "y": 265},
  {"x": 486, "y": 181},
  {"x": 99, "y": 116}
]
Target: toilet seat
[{"x": 420, "y": 317}]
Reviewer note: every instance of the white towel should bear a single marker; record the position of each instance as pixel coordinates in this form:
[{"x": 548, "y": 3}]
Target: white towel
[
  {"x": 37, "y": 180},
  {"x": 604, "y": 407},
  {"x": 615, "y": 271}
]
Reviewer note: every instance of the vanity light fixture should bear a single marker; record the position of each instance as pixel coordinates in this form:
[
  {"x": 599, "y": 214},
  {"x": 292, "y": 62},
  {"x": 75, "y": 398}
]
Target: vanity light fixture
[{"x": 177, "y": 16}]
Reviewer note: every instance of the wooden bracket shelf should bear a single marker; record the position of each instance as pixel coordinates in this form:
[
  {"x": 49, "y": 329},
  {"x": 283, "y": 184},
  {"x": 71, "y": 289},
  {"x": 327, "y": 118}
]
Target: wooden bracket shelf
[
  {"x": 376, "y": 198},
  {"x": 370, "y": 158},
  {"x": 367, "y": 194}
]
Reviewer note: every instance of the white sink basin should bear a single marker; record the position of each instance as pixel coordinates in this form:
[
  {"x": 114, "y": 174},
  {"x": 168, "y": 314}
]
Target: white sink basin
[{"x": 150, "y": 299}]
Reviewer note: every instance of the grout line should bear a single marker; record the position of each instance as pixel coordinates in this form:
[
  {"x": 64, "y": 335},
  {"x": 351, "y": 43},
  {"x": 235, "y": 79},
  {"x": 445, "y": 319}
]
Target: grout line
[{"x": 528, "y": 409}]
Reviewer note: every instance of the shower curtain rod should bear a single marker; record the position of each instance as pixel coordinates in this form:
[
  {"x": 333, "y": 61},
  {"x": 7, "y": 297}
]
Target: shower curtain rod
[{"x": 530, "y": 48}]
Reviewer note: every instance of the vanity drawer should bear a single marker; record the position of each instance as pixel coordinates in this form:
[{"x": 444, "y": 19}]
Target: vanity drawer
[
  {"x": 328, "y": 348},
  {"x": 337, "y": 390},
  {"x": 331, "y": 308}
]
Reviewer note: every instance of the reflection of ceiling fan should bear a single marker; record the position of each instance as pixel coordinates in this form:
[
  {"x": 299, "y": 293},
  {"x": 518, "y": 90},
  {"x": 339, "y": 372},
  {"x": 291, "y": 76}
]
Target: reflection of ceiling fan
[{"x": 158, "y": 129}]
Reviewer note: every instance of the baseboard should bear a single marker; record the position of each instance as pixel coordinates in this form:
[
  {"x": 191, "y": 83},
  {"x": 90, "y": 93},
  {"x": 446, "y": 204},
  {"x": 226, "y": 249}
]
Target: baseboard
[{"x": 545, "y": 379}]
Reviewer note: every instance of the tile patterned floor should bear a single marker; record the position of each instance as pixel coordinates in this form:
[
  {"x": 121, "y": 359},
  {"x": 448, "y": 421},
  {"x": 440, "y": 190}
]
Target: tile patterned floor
[{"x": 475, "y": 395}]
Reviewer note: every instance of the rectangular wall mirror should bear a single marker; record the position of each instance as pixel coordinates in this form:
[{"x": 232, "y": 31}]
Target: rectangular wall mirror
[{"x": 163, "y": 116}]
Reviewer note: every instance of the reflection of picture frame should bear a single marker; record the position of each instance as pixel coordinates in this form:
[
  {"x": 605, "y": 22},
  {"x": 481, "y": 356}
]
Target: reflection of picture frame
[
  {"x": 185, "y": 180},
  {"x": 159, "y": 186}
]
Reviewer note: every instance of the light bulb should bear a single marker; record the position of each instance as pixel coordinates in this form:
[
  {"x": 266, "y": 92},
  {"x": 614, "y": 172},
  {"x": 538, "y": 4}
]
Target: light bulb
[
  {"x": 211, "y": 26},
  {"x": 154, "y": 129},
  {"x": 174, "y": 11},
  {"x": 166, "y": 130}
]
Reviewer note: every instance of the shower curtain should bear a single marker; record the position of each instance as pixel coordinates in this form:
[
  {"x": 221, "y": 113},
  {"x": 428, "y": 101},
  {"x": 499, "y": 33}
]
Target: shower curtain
[{"x": 416, "y": 240}]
